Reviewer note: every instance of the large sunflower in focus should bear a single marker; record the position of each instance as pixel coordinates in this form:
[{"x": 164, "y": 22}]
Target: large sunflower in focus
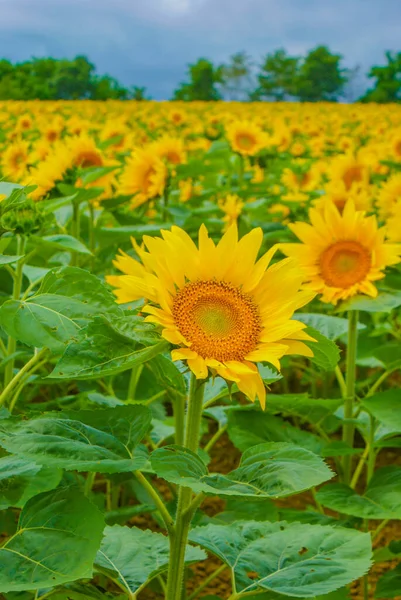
[
  {"x": 341, "y": 255},
  {"x": 246, "y": 138},
  {"x": 225, "y": 309},
  {"x": 144, "y": 176}
]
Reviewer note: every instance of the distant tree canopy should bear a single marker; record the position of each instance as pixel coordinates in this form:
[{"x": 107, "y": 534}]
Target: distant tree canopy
[
  {"x": 60, "y": 79},
  {"x": 318, "y": 76}
]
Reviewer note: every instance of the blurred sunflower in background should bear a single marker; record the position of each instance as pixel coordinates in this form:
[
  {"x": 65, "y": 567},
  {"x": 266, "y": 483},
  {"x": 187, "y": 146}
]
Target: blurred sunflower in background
[
  {"x": 246, "y": 138},
  {"x": 15, "y": 159},
  {"x": 144, "y": 177}
]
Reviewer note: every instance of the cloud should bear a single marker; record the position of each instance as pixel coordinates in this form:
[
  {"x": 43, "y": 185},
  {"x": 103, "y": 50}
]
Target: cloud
[{"x": 150, "y": 42}]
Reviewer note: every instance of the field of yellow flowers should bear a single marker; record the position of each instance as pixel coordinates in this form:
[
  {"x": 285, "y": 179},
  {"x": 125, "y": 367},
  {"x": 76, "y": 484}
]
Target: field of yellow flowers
[{"x": 200, "y": 351}]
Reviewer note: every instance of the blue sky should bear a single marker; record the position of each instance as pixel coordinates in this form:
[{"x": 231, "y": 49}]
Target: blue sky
[{"x": 150, "y": 42}]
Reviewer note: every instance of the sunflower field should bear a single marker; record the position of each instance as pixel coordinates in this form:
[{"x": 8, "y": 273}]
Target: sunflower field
[{"x": 200, "y": 351}]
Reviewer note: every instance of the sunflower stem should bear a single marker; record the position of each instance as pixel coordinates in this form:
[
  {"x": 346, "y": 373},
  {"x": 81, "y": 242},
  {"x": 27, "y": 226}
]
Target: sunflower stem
[
  {"x": 91, "y": 231},
  {"x": 178, "y": 541},
  {"x": 12, "y": 342},
  {"x": 349, "y": 427},
  {"x": 75, "y": 229}
]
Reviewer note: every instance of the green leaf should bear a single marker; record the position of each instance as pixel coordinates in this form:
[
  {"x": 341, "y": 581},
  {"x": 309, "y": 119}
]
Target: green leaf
[
  {"x": 268, "y": 470},
  {"x": 100, "y": 349},
  {"x": 389, "y": 585},
  {"x": 326, "y": 353},
  {"x": 103, "y": 441},
  {"x": 309, "y": 409},
  {"x": 87, "y": 293},
  {"x": 133, "y": 557},
  {"x": 329, "y": 326},
  {"x": 385, "y": 407},
  {"x": 289, "y": 558},
  {"x": 91, "y": 174},
  {"x": 167, "y": 375},
  {"x": 36, "y": 325},
  {"x": 22, "y": 479},
  {"x": 58, "y": 535},
  {"x": 380, "y": 501},
  {"x": 7, "y": 259},
  {"x": 61, "y": 241},
  {"x": 248, "y": 427},
  {"x": 384, "y": 302}
]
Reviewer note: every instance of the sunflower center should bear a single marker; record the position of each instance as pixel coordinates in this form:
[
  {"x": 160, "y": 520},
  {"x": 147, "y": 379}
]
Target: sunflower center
[
  {"x": 245, "y": 141},
  {"x": 397, "y": 148},
  {"x": 352, "y": 175},
  {"x": 344, "y": 264},
  {"x": 88, "y": 159},
  {"x": 217, "y": 319}
]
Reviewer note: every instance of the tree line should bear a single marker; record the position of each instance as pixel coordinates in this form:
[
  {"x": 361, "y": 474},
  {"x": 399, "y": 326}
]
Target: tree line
[{"x": 317, "y": 76}]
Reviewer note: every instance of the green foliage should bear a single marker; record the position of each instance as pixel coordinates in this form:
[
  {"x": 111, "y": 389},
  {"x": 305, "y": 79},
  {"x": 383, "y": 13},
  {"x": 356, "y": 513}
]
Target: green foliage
[
  {"x": 59, "y": 79},
  {"x": 288, "y": 558},
  {"x": 104, "y": 441},
  {"x": 271, "y": 470},
  {"x": 203, "y": 77},
  {"x": 58, "y": 536},
  {"x": 387, "y": 86},
  {"x": 134, "y": 557}
]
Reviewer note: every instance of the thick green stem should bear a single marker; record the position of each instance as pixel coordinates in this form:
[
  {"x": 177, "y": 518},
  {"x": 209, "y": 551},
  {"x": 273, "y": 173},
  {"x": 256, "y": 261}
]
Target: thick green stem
[
  {"x": 12, "y": 343},
  {"x": 75, "y": 229},
  {"x": 179, "y": 418},
  {"x": 349, "y": 427},
  {"x": 133, "y": 381},
  {"x": 178, "y": 541},
  {"x": 91, "y": 232}
]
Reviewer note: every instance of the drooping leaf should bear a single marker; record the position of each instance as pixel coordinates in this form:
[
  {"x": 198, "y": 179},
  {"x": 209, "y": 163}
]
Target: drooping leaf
[
  {"x": 326, "y": 353},
  {"x": 385, "y": 407},
  {"x": 58, "y": 535},
  {"x": 384, "y": 302},
  {"x": 309, "y": 409},
  {"x": 268, "y": 470},
  {"x": 100, "y": 349},
  {"x": 329, "y": 326},
  {"x": 133, "y": 556},
  {"x": 380, "y": 501},
  {"x": 103, "y": 441},
  {"x": 248, "y": 427},
  {"x": 61, "y": 241},
  {"x": 289, "y": 558},
  {"x": 7, "y": 259},
  {"x": 21, "y": 479}
]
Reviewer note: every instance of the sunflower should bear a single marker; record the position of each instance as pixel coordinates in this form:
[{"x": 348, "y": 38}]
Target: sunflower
[
  {"x": 84, "y": 153},
  {"x": 336, "y": 192},
  {"x": 246, "y": 138},
  {"x": 341, "y": 254},
  {"x": 231, "y": 206},
  {"x": 144, "y": 176},
  {"x": 388, "y": 196},
  {"x": 350, "y": 170},
  {"x": 15, "y": 160},
  {"x": 170, "y": 149},
  {"x": 393, "y": 224},
  {"x": 225, "y": 310}
]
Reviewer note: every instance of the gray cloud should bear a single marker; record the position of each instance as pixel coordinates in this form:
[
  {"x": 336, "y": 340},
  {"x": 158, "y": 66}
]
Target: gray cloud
[{"x": 150, "y": 42}]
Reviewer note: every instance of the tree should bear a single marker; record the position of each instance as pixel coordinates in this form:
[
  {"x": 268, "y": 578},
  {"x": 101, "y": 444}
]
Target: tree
[
  {"x": 277, "y": 77},
  {"x": 388, "y": 81},
  {"x": 203, "y": 77},
  {"x": 108, "y": 88},
  {"x": 236, "y": 76},
  {"x": 320, "y": 77}
]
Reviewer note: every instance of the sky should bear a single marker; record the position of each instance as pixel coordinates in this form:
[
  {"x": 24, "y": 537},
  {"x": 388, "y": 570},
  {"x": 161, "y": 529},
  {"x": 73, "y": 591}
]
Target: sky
[{"x": 150, "y": 42}]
